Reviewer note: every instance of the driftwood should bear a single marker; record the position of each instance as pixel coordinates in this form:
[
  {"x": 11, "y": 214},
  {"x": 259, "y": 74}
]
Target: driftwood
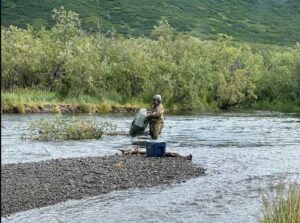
[
  {"x": 138, "y": 151},
  {"x": 116, "y": 133}
]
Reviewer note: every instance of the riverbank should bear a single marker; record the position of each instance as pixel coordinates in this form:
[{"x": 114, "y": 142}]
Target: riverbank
[
  {"x": 67, "y": 108},
  {"x": 24, "y": 101},
  {"x": 32, "y": 185},
  {"x": 276, "y": 106}
]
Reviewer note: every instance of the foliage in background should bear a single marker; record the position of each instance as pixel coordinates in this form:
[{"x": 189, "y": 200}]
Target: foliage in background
[
  {"x": 260, "y": 21},
  {"x": 186, "y": 71},
  {"x": 284, "y": 207},
  {"x": 66, "y": 128}
]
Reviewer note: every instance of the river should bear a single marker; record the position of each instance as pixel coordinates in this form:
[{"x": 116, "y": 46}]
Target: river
[{"x": 244, "y": 154}]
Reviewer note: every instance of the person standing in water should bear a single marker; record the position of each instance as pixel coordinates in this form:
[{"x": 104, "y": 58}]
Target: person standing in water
[{"x": 155, "y": 116}]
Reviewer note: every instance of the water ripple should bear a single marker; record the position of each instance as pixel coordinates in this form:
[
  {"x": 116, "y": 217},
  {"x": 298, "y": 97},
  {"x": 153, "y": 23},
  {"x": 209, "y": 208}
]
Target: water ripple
[{"x": 244, "y": 153}]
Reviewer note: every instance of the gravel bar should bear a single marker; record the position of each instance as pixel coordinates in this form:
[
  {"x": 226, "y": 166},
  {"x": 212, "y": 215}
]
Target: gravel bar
[{"x": 31, "y": 185}]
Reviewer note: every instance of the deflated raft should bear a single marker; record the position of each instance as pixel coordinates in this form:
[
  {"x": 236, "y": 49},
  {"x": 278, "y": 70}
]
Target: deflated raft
[{"x": 140, "y": 123}]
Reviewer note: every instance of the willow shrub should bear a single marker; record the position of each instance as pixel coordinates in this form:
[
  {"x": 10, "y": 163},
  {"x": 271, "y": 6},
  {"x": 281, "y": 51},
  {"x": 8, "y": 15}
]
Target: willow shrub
[
  {"x": 186, "y": 71},
  {"x": 64, "y": 128},
  {"x": 280, "y": 75}
]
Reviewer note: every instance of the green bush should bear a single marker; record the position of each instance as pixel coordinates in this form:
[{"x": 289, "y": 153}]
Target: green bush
[{"x": 65, "y": 128}]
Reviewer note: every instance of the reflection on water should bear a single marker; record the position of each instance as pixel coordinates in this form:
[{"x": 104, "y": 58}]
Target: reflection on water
[{"x": 243, "y": 153}]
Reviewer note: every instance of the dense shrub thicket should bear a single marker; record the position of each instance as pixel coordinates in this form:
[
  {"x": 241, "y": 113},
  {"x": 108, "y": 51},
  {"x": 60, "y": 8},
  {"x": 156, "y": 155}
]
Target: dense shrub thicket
[{"x": 185, "y": 70}]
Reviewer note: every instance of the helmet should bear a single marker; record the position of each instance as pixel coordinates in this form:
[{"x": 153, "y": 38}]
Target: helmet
[{"x": 157, "y": 97}]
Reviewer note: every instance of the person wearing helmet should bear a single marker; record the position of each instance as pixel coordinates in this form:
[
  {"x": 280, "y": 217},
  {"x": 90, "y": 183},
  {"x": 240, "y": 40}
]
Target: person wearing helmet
[{"x": 155, "y": 116}]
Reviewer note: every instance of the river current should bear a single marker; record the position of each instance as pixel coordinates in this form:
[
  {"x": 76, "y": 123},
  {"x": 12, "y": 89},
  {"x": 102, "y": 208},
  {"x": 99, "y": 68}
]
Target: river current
[{"x": 245, "y": 154}]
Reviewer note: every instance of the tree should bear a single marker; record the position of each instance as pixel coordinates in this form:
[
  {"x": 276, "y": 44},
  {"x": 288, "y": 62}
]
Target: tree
[
  {"x": 163, "y": 30},
  {"x": 67, "y": 25}
]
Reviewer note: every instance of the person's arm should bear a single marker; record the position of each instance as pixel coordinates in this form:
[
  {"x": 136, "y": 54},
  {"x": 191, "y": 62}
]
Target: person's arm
[{"x": 157, "y": 113}]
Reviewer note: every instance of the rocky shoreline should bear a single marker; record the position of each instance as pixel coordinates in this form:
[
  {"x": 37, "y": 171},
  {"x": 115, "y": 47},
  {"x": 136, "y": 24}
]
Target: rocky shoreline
[{"x": 31, "y": 185}]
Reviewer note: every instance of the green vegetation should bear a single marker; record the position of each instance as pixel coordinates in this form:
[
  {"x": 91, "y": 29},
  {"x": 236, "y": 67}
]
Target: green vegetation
[
  {"x": 260, "y": 21},
  {"x": 35, "y": 100},
  {"x": 283, "y": 207},
  {"x": 28, "y": 96},
  {"x": 280, "y": 106},
  {"x": 68, "y": 64},
  {"x": 65, "y": 128}
]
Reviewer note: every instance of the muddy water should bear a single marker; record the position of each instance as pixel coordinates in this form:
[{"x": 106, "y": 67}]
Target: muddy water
[{"x": 243, "y": 153}]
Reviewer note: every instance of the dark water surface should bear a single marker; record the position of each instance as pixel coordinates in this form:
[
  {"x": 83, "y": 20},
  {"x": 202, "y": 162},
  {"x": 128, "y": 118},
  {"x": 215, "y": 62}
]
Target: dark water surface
[{"x": 243, "y": 153}]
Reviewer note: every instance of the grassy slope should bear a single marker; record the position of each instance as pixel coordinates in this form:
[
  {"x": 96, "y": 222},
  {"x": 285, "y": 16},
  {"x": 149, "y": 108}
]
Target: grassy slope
[{"x": 261, "y": 21}]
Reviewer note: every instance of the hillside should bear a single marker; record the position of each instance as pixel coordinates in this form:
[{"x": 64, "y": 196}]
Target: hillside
[{"x": 260, "y": 21}]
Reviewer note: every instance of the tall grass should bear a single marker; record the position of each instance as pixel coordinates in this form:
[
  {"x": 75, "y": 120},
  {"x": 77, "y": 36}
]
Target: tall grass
[
  {"x": 28, "y": 96},
  {"x": 284, "y": 207},
  {"x": 17, "y": 99}
]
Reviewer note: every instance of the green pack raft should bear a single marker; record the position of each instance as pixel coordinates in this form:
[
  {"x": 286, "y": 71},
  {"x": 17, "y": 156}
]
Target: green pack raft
[{"x": 140, "y": 123}]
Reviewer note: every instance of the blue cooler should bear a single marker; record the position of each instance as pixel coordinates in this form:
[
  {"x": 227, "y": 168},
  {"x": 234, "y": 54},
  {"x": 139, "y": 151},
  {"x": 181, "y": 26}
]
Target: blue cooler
[{"x": 155, "y": 149}]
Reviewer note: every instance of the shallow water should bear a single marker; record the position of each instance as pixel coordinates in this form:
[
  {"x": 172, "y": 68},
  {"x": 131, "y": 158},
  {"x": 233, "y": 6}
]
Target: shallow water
[{"x": 243, "y": 153}]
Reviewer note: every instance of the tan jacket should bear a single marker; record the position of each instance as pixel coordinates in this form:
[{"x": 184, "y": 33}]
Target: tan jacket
[{"x": 156, "y": 114}]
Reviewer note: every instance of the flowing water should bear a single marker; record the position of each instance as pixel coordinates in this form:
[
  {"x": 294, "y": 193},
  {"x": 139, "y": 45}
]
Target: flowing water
[{"x": 244, "y": 154}]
